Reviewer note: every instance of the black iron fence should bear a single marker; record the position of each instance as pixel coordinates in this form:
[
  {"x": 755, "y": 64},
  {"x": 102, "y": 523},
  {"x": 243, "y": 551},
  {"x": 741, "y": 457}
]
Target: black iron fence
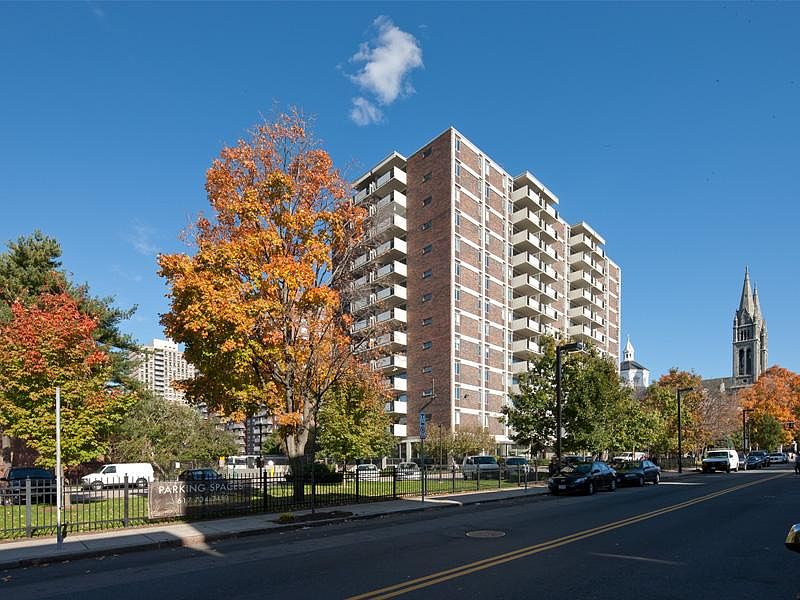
[{"x": 29, "y": 509}]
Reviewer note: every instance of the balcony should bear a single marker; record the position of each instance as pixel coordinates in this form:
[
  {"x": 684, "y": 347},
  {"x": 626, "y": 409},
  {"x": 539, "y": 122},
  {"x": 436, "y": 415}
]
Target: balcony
[
  {"x": 580, "y": 315},
  {"x": 393, "y": 340},
  {"x": 527, "y": 197},
  {"x": 394, "y": 295},
  {"x": 528, "y": 262},
  {"x": 398, "y": 384},
  {"x": 580, "y": 330},
  {"x": 526, "y": 326},
  {"x": 525, "y": 241},
  {"x": 394, "y": 202},
  {"x": 392, "y": 181},
  {"x": 526, "y": 284},
  {"x": 584, "y": 260},
  {"x": 362, "y": 324},
  {"x": 393, "y": 317},
  {"x": 360, "y": 282},
  {"x": 549, "y": 312},
  {"x": 390, "y": 364},
  {"x": 397, "y": 407},
  {"x": 525, "y": 305},
  {"x": 519, "y": 366},
  {"x": 526, "y": 348},
  {"x": 399, "y": 430},
  {"x": 393, "y": 272},
  {"x": 391, "y": 226}
]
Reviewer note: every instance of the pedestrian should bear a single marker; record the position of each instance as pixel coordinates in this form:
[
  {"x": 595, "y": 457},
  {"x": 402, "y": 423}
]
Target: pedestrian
[{"x": 797, "y": 463}]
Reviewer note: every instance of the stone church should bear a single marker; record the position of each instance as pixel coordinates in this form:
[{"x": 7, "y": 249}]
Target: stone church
[{"x": 750, "y": 347}]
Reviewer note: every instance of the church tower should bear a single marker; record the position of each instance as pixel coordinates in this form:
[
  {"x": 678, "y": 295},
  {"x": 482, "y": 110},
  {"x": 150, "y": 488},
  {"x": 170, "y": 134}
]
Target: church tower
[{"x": 749, "y": 338}]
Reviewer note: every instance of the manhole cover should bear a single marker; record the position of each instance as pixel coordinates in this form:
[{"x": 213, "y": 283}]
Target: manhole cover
[{"x": 485, "y": 533}]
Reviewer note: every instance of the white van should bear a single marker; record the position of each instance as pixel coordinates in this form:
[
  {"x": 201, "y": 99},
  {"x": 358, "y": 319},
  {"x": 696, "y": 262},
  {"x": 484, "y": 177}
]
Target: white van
[{"x": 139, "y": 475}]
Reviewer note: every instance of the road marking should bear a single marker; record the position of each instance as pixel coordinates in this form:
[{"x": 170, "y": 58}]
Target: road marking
[
  {"x": 399, "y": 589},
  {"x": 678, "y": 483},
  {"x": 640, "y": 558}
]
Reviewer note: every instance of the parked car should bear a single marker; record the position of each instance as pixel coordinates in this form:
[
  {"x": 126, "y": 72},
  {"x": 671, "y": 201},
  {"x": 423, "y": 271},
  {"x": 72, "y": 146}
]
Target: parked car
[
  {"x": 629, "y": 456},
  {"x": 637, "y": 472},
  {"x": 199, "y": 475},
  {"x": 778, "y": 458},
  {"x": 756, "y": 460},
  {"x": 721, "y": 459},
  {"x": 43, "y": 485},
  {"x": 367, "y": 472},
  {"x": 793, "y": 538},
  {"x": 485, "y": 467},
  {"x": 407, "y": 471},
  {"x": 584, "y": 477},
  {"x": 517, "y": 468},
  {"x": 138, "y": 474}
]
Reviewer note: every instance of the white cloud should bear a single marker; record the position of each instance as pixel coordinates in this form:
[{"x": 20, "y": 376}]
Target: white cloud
[
  {"x": 365, "y": 112},
  {"x": 141, "y": 238},
  {"x": 388, "y": 60}
]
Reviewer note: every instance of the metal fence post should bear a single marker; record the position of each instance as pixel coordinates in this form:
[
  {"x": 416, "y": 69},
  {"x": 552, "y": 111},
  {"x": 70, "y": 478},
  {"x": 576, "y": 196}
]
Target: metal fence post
[
  {"x": 357, "y": 491},
  {"x": 125, "y": 501},
  {"x": 477, "y": 476},
  {"x": 394, "y": 483},
  {"x": 28, "y": 525},
  {"x": 454, "y": 479},
  {"x": 264, "y": 490}
]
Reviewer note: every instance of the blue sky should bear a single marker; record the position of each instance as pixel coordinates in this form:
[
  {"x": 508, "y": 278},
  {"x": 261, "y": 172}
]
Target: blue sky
[{"x": 671, "y": 128}]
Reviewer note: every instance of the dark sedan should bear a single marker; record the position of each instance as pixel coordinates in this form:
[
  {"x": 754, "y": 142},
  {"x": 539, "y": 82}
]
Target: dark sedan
[
  {"x": 637, "y": 472},
  {"x": 584, "y": 477},
  {"x": 42, "y": 486},
  {"x": 199, "y": 475},
  {"x": 756, "y": 460}
]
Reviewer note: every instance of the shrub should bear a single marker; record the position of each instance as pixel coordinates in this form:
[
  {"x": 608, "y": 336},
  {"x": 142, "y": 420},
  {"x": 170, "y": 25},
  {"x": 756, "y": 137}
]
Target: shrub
[{"x": 322, "y": 474}]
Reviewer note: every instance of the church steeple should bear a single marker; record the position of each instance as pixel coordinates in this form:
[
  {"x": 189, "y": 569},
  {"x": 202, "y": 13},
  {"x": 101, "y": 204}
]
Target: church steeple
[
  {"x": 746, "y": 302},
  {"x": 628, "y": 354},
  {"x": 756, "y": 306}
]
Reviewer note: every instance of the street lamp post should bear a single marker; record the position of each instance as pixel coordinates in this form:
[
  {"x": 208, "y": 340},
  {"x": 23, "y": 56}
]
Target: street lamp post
[
  {"x": 680, "y": 429},
  {"x": 567, "y": 348},
  {"x": 745, "y": 444}
]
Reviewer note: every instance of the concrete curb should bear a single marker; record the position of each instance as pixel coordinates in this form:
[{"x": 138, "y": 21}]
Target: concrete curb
[{"x": 205, "y": 538}]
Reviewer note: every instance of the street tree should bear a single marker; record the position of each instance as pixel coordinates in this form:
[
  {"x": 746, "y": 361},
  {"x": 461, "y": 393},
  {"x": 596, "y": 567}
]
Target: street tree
[
  {"x": 472, "y": 439},
  {"x": 259, "y": 303},
  {"x": 161, "y": 432},
  {"x": 353, "y": 422},
  {"x": 766, "y": 431},
  {"x": 47, "y": 343},
  {"x": 775, "y": 393},
  {"x": 661, "y": 397}
]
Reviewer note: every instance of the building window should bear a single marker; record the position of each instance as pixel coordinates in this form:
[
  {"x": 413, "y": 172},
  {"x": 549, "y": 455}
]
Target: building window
[
  {"x": 457, "y": 341},
  {"x": 427, "y": 297},
  {"x": 457, "y": 368},
  {"x": 427, "y": 248},
  {"x": 458, "y": 269},
  {"x": 486, "y": 374},
  {"x": 427, "y": 345},
  {"x": 457, "y": 417},
  {"x": 427, "y": 273},
  {"x": 458, "y": 319},
  {"x": 427, "y": 201},
  {"x": 458, "y": 145},
  {"x": 426, "y": 153},
  {"x": 426, "y": 225},
  {"x": 487, "y": 191},
  {"x": 426, "y": 177},
  {"x": 458, "y": 170},
  {"x": 427, "y": 393},
  {"x": 458, "y": 218},
  {"x": 457, "y": 294},
  {"x": 457, "y": 392},
  {"x": 427, "y": 321},
  {"x": 486, "y": 328},
  {"x": 427, "y": 369}
]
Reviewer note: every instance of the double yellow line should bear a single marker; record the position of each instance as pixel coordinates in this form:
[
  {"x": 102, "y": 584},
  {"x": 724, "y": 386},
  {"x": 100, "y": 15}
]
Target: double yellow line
[{"x": 399, "y": 589}]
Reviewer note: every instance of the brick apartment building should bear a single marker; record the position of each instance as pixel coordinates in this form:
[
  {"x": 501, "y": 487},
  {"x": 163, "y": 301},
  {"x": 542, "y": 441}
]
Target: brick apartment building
[{"x": 466, "y": 267}]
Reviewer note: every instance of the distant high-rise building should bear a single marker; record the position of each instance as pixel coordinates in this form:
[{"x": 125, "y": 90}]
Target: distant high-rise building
[
  {"x": 162, "y": 363},
  {"x": 749, "y": 337},
  {"x": 466, "y": 268}
]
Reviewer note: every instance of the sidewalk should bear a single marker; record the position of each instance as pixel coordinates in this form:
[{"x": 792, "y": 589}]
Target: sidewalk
[{"x": 37, "y": 551}]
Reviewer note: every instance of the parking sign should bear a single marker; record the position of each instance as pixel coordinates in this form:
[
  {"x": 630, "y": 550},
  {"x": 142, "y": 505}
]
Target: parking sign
[{"x": 422, "y": 426}]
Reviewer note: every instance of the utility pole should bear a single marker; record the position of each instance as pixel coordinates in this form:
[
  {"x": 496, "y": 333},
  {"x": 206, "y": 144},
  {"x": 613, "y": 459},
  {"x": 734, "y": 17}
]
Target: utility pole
[{"x": 59, "y": 479}]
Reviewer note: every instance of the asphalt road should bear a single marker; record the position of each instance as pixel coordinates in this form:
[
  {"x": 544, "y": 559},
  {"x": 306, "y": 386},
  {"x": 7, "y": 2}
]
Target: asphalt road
[{"x": 706, "y": 536}]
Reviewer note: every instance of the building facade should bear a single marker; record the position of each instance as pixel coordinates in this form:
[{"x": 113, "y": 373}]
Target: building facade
[
  {"x": 750, "y": 343},
  {"x": 160, "y": 364},
  {"x": 466, "y": 268}
]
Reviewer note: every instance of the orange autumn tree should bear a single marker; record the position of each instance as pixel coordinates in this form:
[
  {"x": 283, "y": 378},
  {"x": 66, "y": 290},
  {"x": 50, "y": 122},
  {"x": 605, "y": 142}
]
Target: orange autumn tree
[
  {"x": 258, "y": 305},
  {"x": 776, "y": 394},
  {"x": 50, "y": 343}
]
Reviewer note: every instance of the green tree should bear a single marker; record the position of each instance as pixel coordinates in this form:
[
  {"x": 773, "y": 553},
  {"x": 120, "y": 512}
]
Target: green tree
[
  {"x": 661, "y": 398},
  {"x": 32, "y": 267},
  {"x": 766, "y": 431},
  {"x": 472, "y": 439},
  {"x": 161, "y": 432},
  {"x": 353, "y": 422}
]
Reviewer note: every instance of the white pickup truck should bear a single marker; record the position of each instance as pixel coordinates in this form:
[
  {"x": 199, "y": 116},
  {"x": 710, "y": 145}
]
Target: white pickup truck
[{"x": 721, "y": 459}]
